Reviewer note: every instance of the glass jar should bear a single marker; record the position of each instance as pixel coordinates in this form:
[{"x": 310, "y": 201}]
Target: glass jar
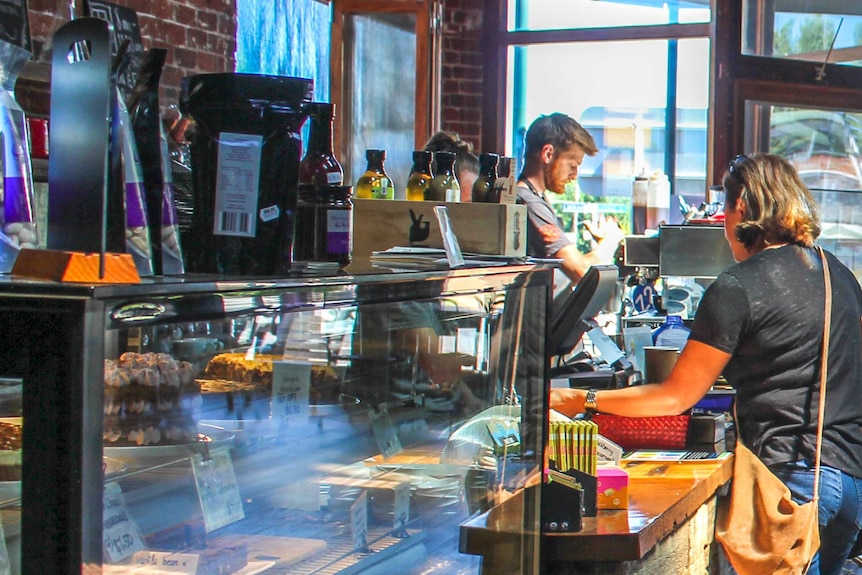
[{"x": 324, "y": 224}]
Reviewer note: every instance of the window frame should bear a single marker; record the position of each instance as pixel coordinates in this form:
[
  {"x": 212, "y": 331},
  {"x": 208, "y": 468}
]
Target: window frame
[
  {"x": 499, "y": 39},
  {"x": 739, "y": 78},
  {"x": 735, "y": 77},
  {"x": 427, "y": 74}
]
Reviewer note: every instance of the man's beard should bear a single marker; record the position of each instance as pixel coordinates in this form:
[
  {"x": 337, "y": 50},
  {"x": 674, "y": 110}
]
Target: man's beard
[{"x": 553, "y": 184}]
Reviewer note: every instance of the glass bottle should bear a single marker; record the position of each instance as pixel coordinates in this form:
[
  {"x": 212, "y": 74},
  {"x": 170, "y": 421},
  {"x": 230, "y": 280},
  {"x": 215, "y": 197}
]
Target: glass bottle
[
  {"x": 658, "y": 200},
  {"x": 374, "y": 183},
  {"x": 672, "y": 333},
  {"x": 640, "y": 191},
  {"x": 420, "y": 175},
  {"x": 483, "y": 188},
  {"x": 320, "y": 167},
  {"x": 444, "y": 186}
]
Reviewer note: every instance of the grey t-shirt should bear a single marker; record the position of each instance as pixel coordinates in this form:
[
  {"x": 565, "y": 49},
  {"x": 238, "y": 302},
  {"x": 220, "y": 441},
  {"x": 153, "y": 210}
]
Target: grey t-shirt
[{"x": 545, "y": 235}]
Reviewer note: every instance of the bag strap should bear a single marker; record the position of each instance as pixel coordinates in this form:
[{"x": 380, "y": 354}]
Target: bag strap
[{"x": 824, "y": 367}]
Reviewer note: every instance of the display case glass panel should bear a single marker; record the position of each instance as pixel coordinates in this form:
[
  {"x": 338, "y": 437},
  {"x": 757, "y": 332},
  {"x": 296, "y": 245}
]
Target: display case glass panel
[{"x": 348, "y": 428}]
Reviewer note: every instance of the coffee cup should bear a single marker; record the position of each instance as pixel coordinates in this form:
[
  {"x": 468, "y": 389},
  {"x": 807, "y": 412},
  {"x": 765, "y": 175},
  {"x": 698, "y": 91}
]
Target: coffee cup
[{"x": 659, "y": 362}]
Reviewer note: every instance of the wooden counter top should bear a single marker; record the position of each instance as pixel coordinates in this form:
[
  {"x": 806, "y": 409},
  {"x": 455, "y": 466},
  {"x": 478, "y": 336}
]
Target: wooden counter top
[{"x": 662, "y": 495}]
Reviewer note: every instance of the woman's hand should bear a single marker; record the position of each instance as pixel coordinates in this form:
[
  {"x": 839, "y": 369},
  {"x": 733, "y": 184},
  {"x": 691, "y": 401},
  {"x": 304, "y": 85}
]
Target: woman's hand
[
  {"x": 569, "y": 402},
  {"x": 697, "y": 369}
]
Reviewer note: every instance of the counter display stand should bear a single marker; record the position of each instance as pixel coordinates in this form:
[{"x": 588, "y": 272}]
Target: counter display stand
[
  {"x": 337, "y": 424},
  {"x": 668, "y": 528}
]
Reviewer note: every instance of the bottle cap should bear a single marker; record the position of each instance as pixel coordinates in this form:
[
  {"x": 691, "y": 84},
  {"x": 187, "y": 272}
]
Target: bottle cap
[
  {"x": 421, "y": 156},
  {"x": 372, "y": 155},
  {"x": 321, "y": 110}
]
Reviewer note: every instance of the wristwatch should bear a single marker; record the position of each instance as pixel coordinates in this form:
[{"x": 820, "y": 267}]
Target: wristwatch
[{"x": 590, "y": 401}]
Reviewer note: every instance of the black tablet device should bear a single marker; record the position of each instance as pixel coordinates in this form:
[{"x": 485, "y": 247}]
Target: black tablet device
[{"x": 575, "y": 308}]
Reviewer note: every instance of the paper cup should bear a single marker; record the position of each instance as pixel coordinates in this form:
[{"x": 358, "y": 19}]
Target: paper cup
[{"x": 659, "y": 362}]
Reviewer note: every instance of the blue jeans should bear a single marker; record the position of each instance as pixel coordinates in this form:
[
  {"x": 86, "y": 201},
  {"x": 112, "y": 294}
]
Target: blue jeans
[{"x": 840, "y": 510}]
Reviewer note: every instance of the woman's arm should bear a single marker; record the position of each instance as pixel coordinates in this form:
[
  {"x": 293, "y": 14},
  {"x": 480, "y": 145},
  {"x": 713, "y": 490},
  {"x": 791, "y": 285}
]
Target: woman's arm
[{"x": 697, "y": 369}]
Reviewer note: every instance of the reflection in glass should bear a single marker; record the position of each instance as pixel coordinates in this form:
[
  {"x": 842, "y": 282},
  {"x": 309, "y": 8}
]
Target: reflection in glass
[
  {"x": 377, "y": 411},
  {"x": 804, "y": 30},
  {"x": 380, "y": 65},
  {"x": 824, "y": 146},
  {"x": 576, "y": 14},
  {"x": 626, "y": 112}
]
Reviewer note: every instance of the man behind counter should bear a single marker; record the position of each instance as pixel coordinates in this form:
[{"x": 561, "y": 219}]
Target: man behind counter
[{"x": 555, "y": 146}]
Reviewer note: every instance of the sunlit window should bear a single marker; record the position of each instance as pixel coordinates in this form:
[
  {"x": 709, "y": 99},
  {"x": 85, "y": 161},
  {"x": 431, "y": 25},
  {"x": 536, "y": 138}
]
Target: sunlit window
[
  {"x": 285, "y": 39},
  {"x": 575, "y": 14},
  {"x": 804, "y": 30},
  {"x": 644, "y": 100}
]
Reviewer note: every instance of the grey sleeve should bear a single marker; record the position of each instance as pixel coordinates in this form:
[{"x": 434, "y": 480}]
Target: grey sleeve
[{"x": 545, "y": 236}]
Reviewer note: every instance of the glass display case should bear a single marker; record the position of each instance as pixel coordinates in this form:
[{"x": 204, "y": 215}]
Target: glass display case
[{"x": 343, "y": 424}]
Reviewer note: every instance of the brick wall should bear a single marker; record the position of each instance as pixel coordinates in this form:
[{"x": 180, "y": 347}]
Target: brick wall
[
  {"x": 461, "y": 73},
  {"x": 199, "y": 35}
]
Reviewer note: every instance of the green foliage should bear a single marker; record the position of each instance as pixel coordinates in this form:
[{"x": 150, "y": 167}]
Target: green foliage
[
  {"x": 783, "y": 42},
  {"x": 815, "y": 33}
]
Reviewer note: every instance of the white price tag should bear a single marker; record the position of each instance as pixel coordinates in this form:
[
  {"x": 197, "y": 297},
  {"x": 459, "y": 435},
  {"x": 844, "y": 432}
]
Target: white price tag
[
  {"x": 359, "y": 522},
  {"x": 291, "y": 385},
  {"x": 384, "y": 432},
  {"x": 121, "y": 536},
  {"x": 218, "y": 492},
  {"x": 164, "y": 563},
  {"x": 402, "y": 505},
  {"x": 5, "y": 564},
  {"x": 450, "y": 240}
]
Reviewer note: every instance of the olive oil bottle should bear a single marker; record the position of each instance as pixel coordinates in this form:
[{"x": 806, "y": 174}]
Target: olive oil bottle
[
  {"x": 483, "y": 188},
  {"x": 444, "y": 187},
  {"x": 420, "y": 176},
  {"x": 374, "y": 183}
]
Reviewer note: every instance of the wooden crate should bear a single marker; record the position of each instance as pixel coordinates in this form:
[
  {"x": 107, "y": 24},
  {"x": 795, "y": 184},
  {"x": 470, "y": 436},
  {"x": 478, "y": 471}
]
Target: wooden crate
[{"x": 493, "y": 229}]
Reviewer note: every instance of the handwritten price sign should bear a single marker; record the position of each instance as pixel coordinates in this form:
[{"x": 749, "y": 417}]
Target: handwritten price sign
[
  {"x": 217, "y": 489},
  {"x": 291, "y": 385},
  {"x": 121, "y": 536}
]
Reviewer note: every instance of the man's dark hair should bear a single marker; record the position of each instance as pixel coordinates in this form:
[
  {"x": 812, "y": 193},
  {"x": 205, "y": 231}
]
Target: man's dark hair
[{"x": 560, "y": 131}]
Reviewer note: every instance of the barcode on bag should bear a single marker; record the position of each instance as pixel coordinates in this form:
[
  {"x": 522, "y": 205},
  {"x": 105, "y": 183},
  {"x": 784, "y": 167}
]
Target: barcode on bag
[{"x": 234, "y": 223}]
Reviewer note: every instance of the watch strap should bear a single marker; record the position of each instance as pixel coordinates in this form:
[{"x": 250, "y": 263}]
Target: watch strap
[{"x": 590, "y": 401}]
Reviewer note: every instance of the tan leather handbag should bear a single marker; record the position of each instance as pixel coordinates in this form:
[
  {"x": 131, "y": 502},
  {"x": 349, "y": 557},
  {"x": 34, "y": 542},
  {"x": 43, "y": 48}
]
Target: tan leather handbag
[{"x": 760, "y": 528}]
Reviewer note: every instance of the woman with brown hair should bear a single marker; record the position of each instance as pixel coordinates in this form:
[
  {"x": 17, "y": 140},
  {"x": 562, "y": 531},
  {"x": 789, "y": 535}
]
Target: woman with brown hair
[{"x": 760, "y": 324}]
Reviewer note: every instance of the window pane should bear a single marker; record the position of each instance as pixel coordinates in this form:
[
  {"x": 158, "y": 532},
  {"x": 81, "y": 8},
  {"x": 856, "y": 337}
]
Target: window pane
[
  {"x": 626, "y": 112},
  {"x": 576, "y": 14},
  {"x": 285, "y": 39},
  {"x": 804, "y": 30},
  {"x": 823, "y": 145},
  {"x": 380, "y": 73}
]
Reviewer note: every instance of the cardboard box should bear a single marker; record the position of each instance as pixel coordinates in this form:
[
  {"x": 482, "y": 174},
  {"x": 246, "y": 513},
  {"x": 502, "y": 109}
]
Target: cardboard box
[
  {"x": 491, "y": 229},
  {"x": 612, "y": 488}
]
